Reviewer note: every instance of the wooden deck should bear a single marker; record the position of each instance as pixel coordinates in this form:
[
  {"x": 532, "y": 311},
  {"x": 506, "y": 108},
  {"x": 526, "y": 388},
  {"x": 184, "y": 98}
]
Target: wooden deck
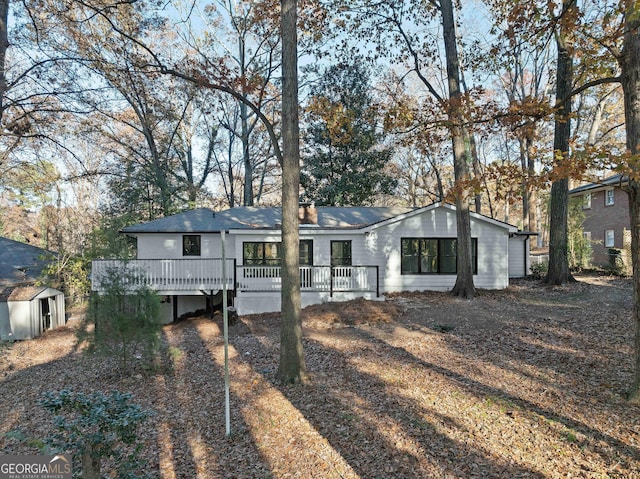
[{"x": 206, "y": 274}]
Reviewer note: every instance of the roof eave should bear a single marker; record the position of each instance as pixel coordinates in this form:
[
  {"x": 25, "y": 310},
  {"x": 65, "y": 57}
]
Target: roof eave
[{"x": 401, "y": 217}]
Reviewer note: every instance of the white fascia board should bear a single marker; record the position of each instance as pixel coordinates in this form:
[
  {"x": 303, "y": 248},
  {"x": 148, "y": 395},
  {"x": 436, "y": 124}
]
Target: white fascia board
[
  {"x": 302, "y": 231},
  {"x": 253, "y": 232},
  {"x": 510, "y": 228}
]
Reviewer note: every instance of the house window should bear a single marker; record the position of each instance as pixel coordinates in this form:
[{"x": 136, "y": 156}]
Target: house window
[
  {"x": 609, "y": 238},
  {"x": 586, "y": 201},
  {"x": 341, "y": 253},
  {"x": 609, "y": 198},
  {"x": 191, "y": 245},
  {"x": 261, "y": 253},
  {"x": 270, "y": 253},
  {"x": 306, "y": 252},
  {"x": 587, "y": 236},
  {"x": 433, "y": 255}
]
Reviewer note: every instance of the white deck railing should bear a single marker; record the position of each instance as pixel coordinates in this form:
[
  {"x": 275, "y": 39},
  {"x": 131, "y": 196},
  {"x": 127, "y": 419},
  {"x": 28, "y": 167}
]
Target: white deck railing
[
  {"x": 164, "y": 274},
  {"x": 331, "y": 279},
  {"x": 206, "y": 274}
]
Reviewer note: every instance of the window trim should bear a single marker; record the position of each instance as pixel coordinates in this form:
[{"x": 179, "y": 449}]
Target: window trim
[
  {"x": 350, "y": 257},
  {"x": 263, "y": 260},
  {"x": 195, "y": 248},
  {"x": 309, "y": 259},
  {"x": 606, "y": 197},
  {"x": 277, "y": 261},
  {"x": 606, "y": 239},
  {"x": 474, "y": 247}
]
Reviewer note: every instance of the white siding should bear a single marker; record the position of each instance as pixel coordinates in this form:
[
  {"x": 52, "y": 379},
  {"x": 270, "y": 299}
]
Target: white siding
[
  {"x": 321, "y": 244},
  {"x": 322, "y": 248},
  {"x": 253, "y": 303},
  {"x": 5, "y": 325},
  {"x": 493, "y": 255},
  {"x": 518, "y": 267},
  {"x": 235, "y": 241},
  {"x": 379, "y": 245},
  {"x": 383, "y": 247},
  {"x": 24, "y": 319},
  {"x": 169, "y": 246}
]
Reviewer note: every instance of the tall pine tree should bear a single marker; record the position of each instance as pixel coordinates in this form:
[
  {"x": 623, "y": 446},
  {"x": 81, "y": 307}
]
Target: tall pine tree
[{"x": 344, "y": 162}]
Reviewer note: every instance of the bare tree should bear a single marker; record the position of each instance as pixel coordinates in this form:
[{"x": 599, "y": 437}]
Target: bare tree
[
  {"x": 245, "y": 50},
  {"x": 390, "y": 24},
  {"x": 524, "y": 61}
]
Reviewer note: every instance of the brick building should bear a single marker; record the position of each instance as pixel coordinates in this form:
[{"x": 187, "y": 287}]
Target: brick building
[{"x": 606, "y": 208}]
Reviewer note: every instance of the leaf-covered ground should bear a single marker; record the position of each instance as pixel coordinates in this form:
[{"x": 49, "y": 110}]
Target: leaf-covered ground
[{"x": 526, "y": 382}]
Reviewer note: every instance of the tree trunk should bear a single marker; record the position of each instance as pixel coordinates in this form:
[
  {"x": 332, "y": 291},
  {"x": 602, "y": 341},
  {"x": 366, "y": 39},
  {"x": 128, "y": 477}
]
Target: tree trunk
[
  {"x": 439, "y": 181},
  {"x": 507, "y": 210},
  {"x": 4, "y": 45},
  {"x": 464, "y": 279},
  {"x": 477, "y": 171},
  {"x": 527, "y": 163},
  {"x": 247, "y": 199},
  {"x": 634, "y": 211},
  {"x": 246, "y": 158},
  {"x": 558, "y": 272},
  {"x": 592, "y": 138},
  {"x": 292, "y": 367},
  {"x": 558, "y": 234},
  {"x": 525, "y": 184},
  {"x": 532, "y": 220},
  {"x": 90, "y": 463},
  {"x": 231, "y": 194},
  {"x": 630, "y": 66},
  {"x": 247, "y": 194}
]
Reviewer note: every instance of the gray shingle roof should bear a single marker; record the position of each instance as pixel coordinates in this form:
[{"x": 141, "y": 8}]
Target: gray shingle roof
[
  {"x": 20, "y": 293},
  {"x": 20, "y": 262},
  {"x": 610, "y": 181},
  {"x": 205, "y": 220}
]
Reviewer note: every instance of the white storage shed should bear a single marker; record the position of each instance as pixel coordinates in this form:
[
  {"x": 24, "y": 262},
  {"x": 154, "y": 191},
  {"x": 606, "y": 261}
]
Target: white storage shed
[{"x": 27, "y": 311}]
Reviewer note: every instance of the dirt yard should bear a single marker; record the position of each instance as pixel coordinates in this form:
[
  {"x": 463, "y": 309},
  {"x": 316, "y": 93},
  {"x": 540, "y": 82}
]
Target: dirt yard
[{"x": 526, "y": 382}]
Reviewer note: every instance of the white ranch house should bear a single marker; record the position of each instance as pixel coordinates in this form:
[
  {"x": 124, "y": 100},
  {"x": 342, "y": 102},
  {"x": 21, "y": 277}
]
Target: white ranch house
[{"x": 345, "y": 253}]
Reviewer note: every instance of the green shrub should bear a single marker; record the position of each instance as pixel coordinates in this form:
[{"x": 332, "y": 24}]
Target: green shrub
[
  {"x": 579, "y": 246},
  {"x": 95, "y": 427},
  {"x": 126, "y": 321},
  {"x": 69, "y": 273},
  {"x": 616, "y": 262},
  {"x": 539, "y": 270}
]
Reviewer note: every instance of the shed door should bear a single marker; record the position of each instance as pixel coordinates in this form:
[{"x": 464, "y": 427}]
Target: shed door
[{"x": 45, "y": 313}]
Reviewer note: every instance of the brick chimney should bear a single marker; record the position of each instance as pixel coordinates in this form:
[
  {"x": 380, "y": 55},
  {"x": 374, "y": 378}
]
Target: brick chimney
[{"x": 307, "y": 214}]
